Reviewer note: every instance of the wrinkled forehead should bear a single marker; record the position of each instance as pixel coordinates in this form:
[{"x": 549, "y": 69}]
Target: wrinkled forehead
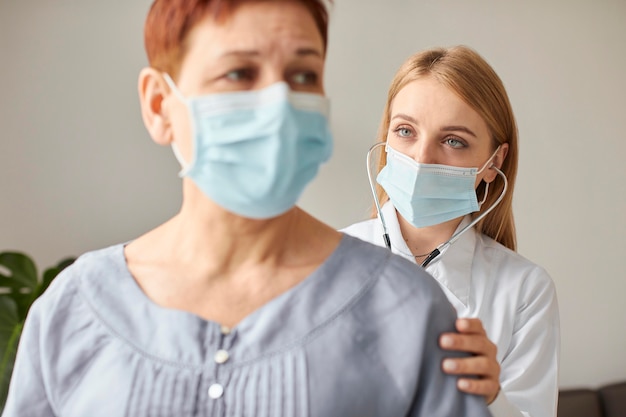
[{"x": 170, "y": 22}]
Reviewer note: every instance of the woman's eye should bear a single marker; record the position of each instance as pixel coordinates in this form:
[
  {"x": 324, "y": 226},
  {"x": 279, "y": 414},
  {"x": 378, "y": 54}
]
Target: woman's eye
[
  {"x": 455, "y": 143},
  {"x": 305, "y": 78},
  {"x": 404, "y": 132},
  {"x": 242, "y": 74}
]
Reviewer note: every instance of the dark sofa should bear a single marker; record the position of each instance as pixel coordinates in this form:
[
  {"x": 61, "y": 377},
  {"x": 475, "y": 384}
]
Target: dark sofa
[{"x": 606, "y": 401}]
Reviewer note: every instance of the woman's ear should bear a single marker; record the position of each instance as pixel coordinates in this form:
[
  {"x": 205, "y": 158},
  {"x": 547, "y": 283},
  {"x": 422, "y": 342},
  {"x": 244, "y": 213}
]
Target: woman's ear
[
  {"x": 497, "y": 161},
  {"x": 152, "y": 92}
]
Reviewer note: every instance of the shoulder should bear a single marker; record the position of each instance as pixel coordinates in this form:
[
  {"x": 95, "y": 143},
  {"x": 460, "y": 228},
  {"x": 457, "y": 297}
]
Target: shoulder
[
  {"x": 64, "y": 315},
  {"x": 386, "y": 266},
  {"x": 98, "y": 262},
  {"x": 396, "y": 322},
  {"x": 65, "y": 300},
  {"x": 86, "y": 269},
  {"x": 396, "y": 285},
  {"x": 513, "y": 268}
]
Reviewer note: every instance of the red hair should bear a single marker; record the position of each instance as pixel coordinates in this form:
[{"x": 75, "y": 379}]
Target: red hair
[{"x": 169, "y": 22}]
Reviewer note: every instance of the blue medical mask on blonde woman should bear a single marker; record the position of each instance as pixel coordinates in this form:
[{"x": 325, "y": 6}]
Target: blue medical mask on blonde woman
[
  {"x": 254, "y": 152},
  {"x": 430, "y": 194}
]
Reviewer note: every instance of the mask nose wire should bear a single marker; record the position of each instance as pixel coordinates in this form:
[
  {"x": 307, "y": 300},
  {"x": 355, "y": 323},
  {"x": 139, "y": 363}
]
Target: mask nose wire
[{"x": 373, "y": 189}]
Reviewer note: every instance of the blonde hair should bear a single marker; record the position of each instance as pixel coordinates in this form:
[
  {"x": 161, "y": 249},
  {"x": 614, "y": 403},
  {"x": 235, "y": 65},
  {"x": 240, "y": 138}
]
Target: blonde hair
[{"x": 465, "y": 72}]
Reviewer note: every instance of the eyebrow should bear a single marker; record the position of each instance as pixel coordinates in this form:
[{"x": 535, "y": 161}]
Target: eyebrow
[
  {"x": 444, "y": 129},
  {"x": 458, "y": 129},
  {"x": 254, "y": 53},
  {"x": 309, "y": 51},
  {"x": 405, "y": 117}
]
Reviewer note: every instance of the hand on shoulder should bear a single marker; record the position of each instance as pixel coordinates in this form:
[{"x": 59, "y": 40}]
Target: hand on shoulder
[{"x": 480, "y": 372}]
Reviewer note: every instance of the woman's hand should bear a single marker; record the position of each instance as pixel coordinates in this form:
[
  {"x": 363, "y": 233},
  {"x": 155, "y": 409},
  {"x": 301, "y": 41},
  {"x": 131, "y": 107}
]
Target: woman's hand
[{"x": 483, "y": 364}]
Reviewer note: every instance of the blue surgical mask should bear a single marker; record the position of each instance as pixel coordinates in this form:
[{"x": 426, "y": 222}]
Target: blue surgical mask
[
  {"x": 429, "y": 194},
  {"x": 254, "y": 152}
]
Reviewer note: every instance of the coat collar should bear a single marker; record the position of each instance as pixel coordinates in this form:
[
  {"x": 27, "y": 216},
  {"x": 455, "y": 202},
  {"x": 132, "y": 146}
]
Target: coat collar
[{"x": 453, "y": 267}]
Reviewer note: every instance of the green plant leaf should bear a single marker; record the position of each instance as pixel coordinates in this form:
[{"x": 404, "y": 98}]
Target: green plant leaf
[
  {"x": 48, "y": 276},
  {"x": 10, "y": 331},
  {"x": 23, "y": 271},
  {"x": 8, "y": 360},
  {"x": 8, "y": 319},
  {"x": 64, "y": 263},
  {"x": 22, "y": 302}
]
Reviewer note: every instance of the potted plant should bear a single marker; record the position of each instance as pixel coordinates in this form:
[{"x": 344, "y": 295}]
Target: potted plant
[{"x": 20, "y": 285}]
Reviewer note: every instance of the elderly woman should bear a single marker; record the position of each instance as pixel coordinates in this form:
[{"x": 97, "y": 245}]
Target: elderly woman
[{"x": 242, "y": 304}]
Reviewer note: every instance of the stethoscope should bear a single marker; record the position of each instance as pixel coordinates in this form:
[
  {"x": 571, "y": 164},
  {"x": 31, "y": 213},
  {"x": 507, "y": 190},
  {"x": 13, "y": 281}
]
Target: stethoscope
[{"x": 437, "y": 251}]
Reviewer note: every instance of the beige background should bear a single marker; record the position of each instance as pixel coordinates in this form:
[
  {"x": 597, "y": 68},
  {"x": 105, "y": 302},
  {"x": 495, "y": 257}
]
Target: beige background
[{"x": 78, "y": 171}]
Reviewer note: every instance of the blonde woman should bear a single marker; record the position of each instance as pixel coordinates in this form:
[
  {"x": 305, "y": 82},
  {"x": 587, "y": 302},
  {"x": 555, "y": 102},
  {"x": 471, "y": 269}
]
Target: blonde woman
[{"x": 444, "y": 201}]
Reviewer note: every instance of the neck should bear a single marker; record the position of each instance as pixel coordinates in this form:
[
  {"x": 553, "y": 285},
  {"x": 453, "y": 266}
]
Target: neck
[
  {"x": 209, "y": 241},
  {"x": 421, "y": 241},
  {"x": 204, "y": 230},
  {"x": 221, "y": 266}
]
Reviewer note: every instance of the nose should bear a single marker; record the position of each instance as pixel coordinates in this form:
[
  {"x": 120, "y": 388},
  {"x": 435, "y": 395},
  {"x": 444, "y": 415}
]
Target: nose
[
  {"x": 271, "y": 72},
  {"x": 424, "y": 152},
  {"x": 270, "y": 77}
]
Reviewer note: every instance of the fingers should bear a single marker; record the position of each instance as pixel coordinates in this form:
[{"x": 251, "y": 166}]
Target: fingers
[
  {"x": 480, "y": 366},
  {"x": 480, "y": 372},
  {"x": 468, "y": 325},
  {"x": 488, "y": 388},
  {"x": 477, "y": 344},
  {"x": 486, "y": 373}
]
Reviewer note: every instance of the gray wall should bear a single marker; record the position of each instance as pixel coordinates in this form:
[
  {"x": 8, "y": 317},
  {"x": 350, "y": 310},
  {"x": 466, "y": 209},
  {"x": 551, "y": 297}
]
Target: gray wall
[{"x": 78, "y": 171}]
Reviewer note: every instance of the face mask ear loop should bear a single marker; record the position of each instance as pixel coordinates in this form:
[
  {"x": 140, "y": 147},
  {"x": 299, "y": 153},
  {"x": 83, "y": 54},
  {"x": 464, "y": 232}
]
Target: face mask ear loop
[
  {"x": 373, "y": 189},
  {"x": 184, "y": 165},
  {"x": 486, "y": 183},
  {"x": 170, "y": 83}
]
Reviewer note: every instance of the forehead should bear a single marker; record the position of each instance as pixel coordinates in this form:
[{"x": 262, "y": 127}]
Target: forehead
[
  {"x": 262, "y": 27},
  {"x": 429, "y": 100}
]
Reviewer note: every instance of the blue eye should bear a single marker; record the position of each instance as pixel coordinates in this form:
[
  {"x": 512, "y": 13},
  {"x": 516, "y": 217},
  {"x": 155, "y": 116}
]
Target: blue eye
[
  {"x": 455, "y": 143},
  {"x": 404, "y": 132}
]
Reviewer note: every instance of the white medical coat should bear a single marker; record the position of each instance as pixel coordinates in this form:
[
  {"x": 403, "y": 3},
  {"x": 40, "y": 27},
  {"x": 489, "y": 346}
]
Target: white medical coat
[{"x": 515, "y": 300}]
